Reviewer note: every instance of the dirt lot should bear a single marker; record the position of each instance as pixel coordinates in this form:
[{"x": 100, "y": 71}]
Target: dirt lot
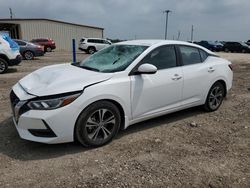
[{"x": 163, "y": 152}]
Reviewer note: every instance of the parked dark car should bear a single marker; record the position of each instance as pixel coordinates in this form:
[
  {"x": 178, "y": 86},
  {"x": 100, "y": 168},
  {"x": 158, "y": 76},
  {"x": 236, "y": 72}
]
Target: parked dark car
[
  {"x": 29, "y": 50},
  {"x": 48, "y": 44},
  {"x": 236, "y": 47},
  {"x": 211, "y": 45},
  {"x": 248, "y": 42}
]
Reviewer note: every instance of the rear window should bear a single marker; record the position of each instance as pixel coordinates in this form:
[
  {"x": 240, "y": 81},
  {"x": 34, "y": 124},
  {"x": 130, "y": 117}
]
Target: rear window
[
  {"x": 190, "y": 55},
  {"x": 204, "y": 55},
  {"x": 82, "y": 40},
  {"x": 20, "y": 43}
]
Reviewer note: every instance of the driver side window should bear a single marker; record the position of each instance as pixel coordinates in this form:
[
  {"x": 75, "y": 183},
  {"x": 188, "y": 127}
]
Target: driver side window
[{"x": 163, "y": 57}]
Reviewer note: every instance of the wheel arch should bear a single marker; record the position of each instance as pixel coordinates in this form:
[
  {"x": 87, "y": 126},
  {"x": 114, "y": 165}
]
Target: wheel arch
[
  {"x": 224, "y": 85},
  {"x": 91, "y": 47},
  {"x": 4, "y": 57},
  {"x": 117, "y": 104},
  {"x": 223, "y": 82}
]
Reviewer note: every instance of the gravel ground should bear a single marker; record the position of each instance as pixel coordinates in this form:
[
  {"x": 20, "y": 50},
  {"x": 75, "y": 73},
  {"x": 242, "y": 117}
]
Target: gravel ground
[{"x": 190, "y": 148}]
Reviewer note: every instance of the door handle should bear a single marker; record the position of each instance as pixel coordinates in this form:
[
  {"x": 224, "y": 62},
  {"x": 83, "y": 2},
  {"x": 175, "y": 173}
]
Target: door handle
[
  {"x": 176, "y": 77},
  {"x": 211, "y": 69}
]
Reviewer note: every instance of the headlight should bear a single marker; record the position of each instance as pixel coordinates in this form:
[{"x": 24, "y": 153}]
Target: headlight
[{"x": 50, "y": 104}]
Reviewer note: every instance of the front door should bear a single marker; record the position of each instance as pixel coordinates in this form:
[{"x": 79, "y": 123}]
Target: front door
[{"x": 156, "y": 93}]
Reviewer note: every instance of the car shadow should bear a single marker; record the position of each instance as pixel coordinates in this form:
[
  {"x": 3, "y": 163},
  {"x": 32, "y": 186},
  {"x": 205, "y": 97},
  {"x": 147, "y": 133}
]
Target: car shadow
[
  {"x": 13, "y": 146},
  {"x": 10, "y": 70}
]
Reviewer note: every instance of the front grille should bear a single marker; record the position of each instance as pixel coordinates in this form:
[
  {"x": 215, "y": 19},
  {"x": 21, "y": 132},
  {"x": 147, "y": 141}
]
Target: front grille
[
  {"x": 18, "y": 107},
  {"x": 13, "y": 99}
]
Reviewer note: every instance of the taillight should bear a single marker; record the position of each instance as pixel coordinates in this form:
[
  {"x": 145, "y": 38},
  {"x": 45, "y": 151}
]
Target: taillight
[
  {"x": 39, "y": 47},
  {"x": 231, "y": 67}
]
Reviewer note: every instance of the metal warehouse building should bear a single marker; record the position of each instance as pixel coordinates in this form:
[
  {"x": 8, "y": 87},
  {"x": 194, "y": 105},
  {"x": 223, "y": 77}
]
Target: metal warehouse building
[{"x": 61, "y": 32}]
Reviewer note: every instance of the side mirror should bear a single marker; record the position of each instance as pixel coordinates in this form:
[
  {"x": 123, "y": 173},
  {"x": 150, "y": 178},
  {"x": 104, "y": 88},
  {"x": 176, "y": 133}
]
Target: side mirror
[{"x": 147, "y": 69}]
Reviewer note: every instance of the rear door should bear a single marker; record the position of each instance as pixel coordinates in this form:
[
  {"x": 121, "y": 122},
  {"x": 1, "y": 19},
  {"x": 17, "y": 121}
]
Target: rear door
[
  {"x": 155, "y": 93},
  {"x": 197, "y": 73}
]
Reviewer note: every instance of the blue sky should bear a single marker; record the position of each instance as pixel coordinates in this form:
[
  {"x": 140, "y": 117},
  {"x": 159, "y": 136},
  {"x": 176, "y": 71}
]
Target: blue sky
[{"x": 129, "y": 19}]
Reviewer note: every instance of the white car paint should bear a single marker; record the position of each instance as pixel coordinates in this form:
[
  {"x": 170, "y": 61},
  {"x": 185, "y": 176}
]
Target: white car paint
[
  {"x": 89, "y": 42},
  {"x": 141, "y": 96}
]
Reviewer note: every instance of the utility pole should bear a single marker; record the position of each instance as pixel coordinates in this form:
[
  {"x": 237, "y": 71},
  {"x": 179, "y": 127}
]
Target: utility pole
[
  {"x": 179, "y": 35},
  {"x": 166, "y": 29},
  {"x": 11, "y": 13},
  {"x": 192, "y": 33}
]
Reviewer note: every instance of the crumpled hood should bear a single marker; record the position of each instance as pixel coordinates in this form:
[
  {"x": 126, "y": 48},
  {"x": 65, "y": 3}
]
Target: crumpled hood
[{"x": 63, "y": 78}]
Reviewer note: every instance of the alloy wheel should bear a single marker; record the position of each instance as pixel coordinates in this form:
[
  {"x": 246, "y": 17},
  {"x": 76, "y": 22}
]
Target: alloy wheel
[
  {"x": 100, "y": 125},
  {"x": 216, "y": 97},
  {"x": 48, "y": 49},
  {"x": 28, "y": 55},
  {"x": 2, "y": 66}
]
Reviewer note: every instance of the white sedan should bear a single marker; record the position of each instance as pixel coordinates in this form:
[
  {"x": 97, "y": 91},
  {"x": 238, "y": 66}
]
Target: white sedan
[{"x": 121, "y": 85}]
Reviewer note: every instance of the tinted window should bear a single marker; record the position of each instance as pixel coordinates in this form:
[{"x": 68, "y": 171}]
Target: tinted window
[
  {"x": 82, "y": 40},
  {"x": 20, "y": 43},
  {"x": 92, "y": 41},
  {"x": 99, "y": 41},
  {"x": 190, "y": 55},
  {"x": 163, "y": 57},
  {"x": 204, "y": 55}
]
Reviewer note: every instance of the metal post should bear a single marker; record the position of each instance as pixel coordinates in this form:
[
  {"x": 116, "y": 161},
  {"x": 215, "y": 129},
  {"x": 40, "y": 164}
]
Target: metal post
[
  {"x": 192, "y": 33},
  {"x": 166, "y": 29},
  {"x": 74, "y": 50}
]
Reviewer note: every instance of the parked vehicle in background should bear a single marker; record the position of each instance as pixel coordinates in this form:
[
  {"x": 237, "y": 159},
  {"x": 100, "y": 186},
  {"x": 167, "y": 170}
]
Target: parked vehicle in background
[
  {"x": 248, "y": 42},
  {"x": 236, "y": 47},
  {"x": 92, "y": 45},
  {"x": 121, "y": 85},
  {"x": 29, "y": 50},
  {"x": 48, "y": 43},
  {"x": 9, "y": 53},
  {"x": 211, "y": 45}
]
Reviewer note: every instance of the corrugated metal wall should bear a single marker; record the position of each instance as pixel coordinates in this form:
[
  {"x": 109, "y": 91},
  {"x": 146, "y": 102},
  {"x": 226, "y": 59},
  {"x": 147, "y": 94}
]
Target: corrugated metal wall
[{"x": 61, "y": 33}]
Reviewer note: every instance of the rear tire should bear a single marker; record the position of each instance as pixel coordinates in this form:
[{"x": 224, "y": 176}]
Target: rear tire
[
  {"x": 98, "y": 124},
  {"x": 215, "y": 97},
  {"x": 91, "y": 50},
  {"x": 3, "y": 66},
  {"x": 28, "y": 55},
  {"x": 48, "y": 49}
]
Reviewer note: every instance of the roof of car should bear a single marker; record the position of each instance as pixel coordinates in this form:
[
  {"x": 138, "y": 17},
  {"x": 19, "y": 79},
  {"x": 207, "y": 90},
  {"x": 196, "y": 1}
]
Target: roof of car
[
  {"x": 94, "y": 38},
  {"x": 153, "y": 42},
  {"x": 162, "y": 42}
]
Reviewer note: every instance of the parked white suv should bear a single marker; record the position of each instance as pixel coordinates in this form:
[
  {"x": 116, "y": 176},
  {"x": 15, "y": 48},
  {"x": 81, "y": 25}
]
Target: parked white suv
[
  {"x": 121, "y": 85},
  {"x": 9, "y": 53},
  {"x": 92, "y": 45}
]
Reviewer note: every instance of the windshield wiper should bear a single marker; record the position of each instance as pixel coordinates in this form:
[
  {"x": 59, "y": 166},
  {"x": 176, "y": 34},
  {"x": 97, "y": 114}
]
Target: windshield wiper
[
  {"x": 116, "y": 60},
  {"x": 89, "y": 68}
]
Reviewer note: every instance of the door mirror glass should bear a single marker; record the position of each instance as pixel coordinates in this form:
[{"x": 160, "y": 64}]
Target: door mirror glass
[{"x": 147, "y": 69}]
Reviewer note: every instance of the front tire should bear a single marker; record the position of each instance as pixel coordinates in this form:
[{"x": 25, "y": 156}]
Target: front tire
[
  {"x": 215, "y": 97},
  {"x": 98, "y": 124},
  {"x": 3, "y": 66}
]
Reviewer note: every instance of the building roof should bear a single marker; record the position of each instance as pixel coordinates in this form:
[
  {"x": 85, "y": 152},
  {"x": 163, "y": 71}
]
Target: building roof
[{"x": 45, "y": 19}]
